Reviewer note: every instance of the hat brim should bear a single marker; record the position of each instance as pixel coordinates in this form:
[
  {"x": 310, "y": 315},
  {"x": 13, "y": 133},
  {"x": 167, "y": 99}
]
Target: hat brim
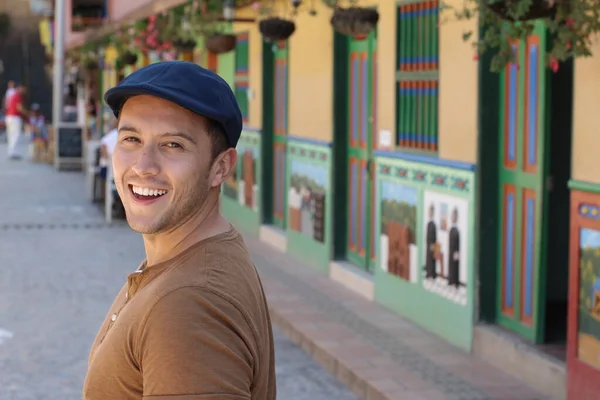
[{"x": 117, "y": 96}]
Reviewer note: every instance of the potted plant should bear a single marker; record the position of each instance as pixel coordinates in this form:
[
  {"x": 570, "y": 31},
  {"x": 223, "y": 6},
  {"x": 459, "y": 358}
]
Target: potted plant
[
  {"x": 181, "y": 28},
  {"x": 275, "y": 29},
  {"x": 219, "y": 42},
  {"x": 354, "y": 21},
  {"x": 571, "y": 24}
]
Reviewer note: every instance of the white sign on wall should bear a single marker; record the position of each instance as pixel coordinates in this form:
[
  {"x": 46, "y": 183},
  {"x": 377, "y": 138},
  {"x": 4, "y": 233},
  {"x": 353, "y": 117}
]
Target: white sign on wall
[{"x": 385, "y": 138}]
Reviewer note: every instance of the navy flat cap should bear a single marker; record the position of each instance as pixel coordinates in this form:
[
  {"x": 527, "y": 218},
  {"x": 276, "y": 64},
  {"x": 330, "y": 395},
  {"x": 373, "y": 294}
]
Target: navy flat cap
[{"x": 187, "y": 85}]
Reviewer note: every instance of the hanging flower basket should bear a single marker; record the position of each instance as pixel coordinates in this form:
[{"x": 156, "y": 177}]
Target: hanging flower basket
[
  {"x": 184, "y": 45},
  {"x": 129, "y": 58},
  {"x": 538, "y": 9},
  {"x": 354, "y": 21},
  {"x": 220, "y": 43},
  {"x": 275, "y": 29}
]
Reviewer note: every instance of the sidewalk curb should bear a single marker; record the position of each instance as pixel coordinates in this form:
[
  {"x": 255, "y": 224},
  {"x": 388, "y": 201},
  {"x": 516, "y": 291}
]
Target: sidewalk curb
[{"x": 343, "y": 372}]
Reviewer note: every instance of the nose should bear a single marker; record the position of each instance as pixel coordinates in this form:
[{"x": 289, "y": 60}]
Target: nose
[{"x": 147, "y": 163}]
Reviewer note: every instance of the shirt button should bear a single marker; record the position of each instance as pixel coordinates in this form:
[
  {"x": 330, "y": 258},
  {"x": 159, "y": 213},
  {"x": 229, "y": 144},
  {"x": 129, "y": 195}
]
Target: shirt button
[{"x": 113, "y": 317}]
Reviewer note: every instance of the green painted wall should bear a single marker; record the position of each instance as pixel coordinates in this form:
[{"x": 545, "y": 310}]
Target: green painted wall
[
  {"x": 406, "y": 190},
  {"x": 226, "y": 67},
  {"x": 308, "y": 205},
  {"x": 240, "y": 205}
]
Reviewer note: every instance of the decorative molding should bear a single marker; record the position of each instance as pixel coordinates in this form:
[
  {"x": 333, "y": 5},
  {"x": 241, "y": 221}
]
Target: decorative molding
[
  {"x": 426, "y": 159},
  {"x": 584, "y": 186}
]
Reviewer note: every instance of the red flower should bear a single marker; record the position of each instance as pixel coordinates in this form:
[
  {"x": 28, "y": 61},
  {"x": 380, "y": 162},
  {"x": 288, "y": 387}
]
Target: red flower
[
  {"x": 553, "y": 64},
  {"x": 476, "y": 57},
  {"x": 570, "y": 22}
]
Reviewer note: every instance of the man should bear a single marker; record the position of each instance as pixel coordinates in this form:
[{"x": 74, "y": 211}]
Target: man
[
  {"x": 430, "y": 242},
  {"x": 192, "y": 322},
  {"x": 39, "y": 134},
  {"x": 15, "y": 114},
  {"x": 9, "y": 91},
  {"x": 454, "y": 252}
]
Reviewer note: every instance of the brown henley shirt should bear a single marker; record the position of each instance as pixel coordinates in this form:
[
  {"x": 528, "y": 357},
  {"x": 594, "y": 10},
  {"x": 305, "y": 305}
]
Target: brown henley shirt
[{"x": 193, "y": 327}]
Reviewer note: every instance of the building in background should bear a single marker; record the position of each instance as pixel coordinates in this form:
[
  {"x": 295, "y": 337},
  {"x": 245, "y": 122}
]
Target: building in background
[{"x": 465, "y": 200}]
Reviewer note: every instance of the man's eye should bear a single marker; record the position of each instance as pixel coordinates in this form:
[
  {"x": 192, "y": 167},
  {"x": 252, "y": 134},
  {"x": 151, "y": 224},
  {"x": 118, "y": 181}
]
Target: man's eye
[
  {"x": 130, "y": 139},
  {"x": 174, "y": 145}
]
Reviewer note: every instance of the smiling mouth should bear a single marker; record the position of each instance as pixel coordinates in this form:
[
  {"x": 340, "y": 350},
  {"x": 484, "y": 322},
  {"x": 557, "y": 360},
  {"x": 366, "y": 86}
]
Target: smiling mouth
[{"x": 145, "y": 194}]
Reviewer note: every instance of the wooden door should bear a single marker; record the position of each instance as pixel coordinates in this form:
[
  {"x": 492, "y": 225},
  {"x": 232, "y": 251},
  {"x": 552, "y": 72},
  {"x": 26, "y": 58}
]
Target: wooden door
[
  {"x": 280, "y": 118},
  {"x": 361, "y": 121},
  {"x": 521, "y": 259}
]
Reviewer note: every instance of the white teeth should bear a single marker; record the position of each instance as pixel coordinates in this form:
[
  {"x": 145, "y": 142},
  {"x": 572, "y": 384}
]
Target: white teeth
[{"x": 147, "y": 192}]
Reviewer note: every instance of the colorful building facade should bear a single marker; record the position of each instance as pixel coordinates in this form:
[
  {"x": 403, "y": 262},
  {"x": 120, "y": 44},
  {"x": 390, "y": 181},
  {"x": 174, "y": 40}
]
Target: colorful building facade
[{"x": 407, "y": 171}]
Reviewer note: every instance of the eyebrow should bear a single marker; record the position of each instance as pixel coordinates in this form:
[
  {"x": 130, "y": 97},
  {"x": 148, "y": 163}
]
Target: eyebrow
[{"x": 182, "y": 135}]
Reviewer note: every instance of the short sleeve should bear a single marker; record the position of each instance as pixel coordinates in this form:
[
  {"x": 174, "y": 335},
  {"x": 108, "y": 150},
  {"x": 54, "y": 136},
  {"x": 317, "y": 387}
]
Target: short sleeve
[{"x": 196, "y": 344}]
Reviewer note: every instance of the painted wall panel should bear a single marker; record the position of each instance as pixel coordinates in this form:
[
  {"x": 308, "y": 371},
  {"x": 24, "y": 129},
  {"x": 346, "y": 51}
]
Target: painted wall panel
[
  {"x": 241, "y": 191},
  {"x": 425, "y": 245},
  {"x": 583, "y": 348},
  {"x": 309, "y": 194},
  {"x": 586, "y": 97}
]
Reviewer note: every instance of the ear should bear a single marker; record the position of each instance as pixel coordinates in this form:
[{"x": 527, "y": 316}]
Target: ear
[{"x": 223, "y": 166}]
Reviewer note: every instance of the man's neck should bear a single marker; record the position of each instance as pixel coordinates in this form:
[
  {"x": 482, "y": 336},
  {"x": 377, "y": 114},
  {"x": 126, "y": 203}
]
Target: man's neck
[{"x": 165, "y": 245}]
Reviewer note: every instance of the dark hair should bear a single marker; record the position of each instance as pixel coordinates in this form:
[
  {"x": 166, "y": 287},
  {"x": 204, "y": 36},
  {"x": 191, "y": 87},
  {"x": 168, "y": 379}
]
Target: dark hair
[{"x": 218, "y": 138}]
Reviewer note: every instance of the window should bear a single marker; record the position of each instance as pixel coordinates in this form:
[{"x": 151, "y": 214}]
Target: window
[
  {"x": 241, "y": 73},
  {"x": 417, "y": 75}
]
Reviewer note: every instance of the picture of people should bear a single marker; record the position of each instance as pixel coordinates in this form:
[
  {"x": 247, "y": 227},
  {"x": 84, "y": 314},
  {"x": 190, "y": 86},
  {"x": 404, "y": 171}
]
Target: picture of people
[
  {"x": 445, "y": 246},
  {"x": 306, "y": 199},
  {"x": 588, "y": 338},
  {"x": 399, "y": 254}
]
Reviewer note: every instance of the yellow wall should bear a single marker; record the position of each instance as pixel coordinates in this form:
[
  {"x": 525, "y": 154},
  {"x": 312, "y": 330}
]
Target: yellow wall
[
  {"x": 386, "y": 66},
  {"x": 457, "y": 90},
  {"x": 311, "y": 78},
  {"x": 586, "y": 87},
  {"x": 310, "y": 87},
  {"x": 254, "y": 67}
]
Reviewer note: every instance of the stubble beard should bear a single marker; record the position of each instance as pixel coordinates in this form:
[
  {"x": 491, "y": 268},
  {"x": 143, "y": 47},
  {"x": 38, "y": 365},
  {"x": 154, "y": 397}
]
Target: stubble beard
[{"x": 189, "y": 203}]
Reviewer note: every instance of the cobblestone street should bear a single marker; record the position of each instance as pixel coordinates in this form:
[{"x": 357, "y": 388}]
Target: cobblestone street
[{"x": 60, "y": 268}]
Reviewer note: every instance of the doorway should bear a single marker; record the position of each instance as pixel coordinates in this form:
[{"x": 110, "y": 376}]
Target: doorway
[
  {"x": 275, "y": 131},
  {"x": 524, "y": 213},
  {"x": 360, "y": 121}
]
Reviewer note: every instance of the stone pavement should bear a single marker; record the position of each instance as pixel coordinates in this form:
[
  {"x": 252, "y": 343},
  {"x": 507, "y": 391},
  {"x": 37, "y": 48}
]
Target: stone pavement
[
  {"x": 376, "y": 353},
  {"x": 60, "y": 268}
]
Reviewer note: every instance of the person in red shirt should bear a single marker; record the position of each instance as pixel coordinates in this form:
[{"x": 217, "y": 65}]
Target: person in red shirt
[{"x": 15, "y": 113}]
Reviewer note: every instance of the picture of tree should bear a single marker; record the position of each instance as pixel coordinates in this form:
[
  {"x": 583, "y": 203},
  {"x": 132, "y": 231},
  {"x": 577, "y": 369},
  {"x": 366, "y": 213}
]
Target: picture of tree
[{"x": 398, "y": 230}]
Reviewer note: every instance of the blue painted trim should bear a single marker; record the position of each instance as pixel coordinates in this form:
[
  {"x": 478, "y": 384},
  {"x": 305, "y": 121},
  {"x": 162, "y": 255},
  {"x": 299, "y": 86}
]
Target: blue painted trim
[
  {"x": 512, "y": 112},
  {"x": 426, "y": 159},
  {"x": 529, "y": 243},
  {"x": 307, "y": 140},
  {"x": 248, "y": 129},
  {"x": 532, "y": 109},
  {"x": 509, "y": 260}
]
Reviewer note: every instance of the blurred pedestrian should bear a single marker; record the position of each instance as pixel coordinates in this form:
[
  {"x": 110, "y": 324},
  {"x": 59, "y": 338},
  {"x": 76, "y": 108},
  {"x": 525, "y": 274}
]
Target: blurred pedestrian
[
  {"x": 15, "y": 114},
  {"x": 38, "y": 134}
]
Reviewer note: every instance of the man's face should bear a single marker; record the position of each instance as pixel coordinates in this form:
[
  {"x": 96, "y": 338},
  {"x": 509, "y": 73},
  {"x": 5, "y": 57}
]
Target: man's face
[{"x": 162, "y": 164}]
